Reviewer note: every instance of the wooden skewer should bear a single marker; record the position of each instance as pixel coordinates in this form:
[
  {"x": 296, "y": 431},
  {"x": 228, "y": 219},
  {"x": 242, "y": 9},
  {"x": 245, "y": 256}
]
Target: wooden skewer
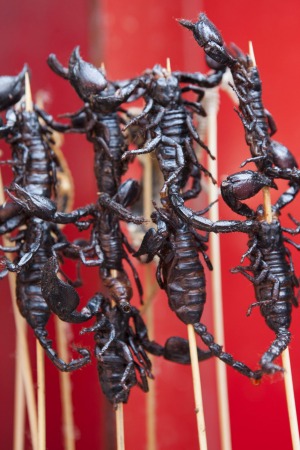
[
  {"x": 65, "y": 387},
  {"x": 288, "y": 380},
  {"x": 40, "y": 362},
  {"x": 23, "y": 355},
  {"x": 197, "y": 388},
  {"x": 119, "y": 410},
  {"x": 19, "y": 403},
  {"x": 211, "y": 107},
  {"x": 290, "y": 397},
  {"x": 168, "y": 66},
  {"x": 150, "y": 397},
  {"x": 66, "y": 187},
  {"x": 120, "y": 427}
]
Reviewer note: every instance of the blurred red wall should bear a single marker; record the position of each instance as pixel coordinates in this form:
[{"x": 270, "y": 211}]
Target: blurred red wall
[{"x": 128, "y": 37}]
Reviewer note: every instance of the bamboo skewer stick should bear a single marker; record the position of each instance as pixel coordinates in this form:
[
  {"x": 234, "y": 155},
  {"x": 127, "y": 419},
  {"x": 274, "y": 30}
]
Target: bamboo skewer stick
[
  {"x": 66, "y": 187},
  {"x": 119, "y": 411},
  {"x": 211, "y": 107},
  {"x": 120, "y": 427},
  {"x": 150, "y": 398},
  {"x": 197, "y": 388},
  {"x": 288, "y": 380},
  {"x": 23, "y": 356},
  {"x": 65, "y": 388},
  {"x": 290, "y": 398},
  {"x": 40, "y": 361},
  {"x": 19, "y": 402}
]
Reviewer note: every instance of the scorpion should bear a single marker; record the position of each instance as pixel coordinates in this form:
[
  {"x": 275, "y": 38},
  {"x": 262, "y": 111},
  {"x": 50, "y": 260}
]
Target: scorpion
[
  {"x": 270, "y": 261},
  {"x": 181, "y": 274},
  {"x": 270, "y": 157},
  {"x": 100, "y": 121},
  {"x": 168, "y": 121},
  {"x": 107, "y": 249},
  {"x": 35, "y": 243},
  {"x": 120, "y": 348}
]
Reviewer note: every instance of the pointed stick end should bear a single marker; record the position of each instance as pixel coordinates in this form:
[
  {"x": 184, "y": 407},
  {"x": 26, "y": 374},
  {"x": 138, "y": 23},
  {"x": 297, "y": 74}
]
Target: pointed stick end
[
  {"x": 28, "y": 96},
  {"x": 251, "y": 53}
]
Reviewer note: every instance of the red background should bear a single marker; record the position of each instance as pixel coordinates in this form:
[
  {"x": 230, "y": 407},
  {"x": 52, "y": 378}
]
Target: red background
[{"x": 128, "y": 37}]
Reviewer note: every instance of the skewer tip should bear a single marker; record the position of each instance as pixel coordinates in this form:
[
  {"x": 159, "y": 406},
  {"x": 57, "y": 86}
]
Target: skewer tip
[
  {"x": 28, "y": 96},
  {"x": 168, "y": 66},
  {"x": 251, "y": 53}
]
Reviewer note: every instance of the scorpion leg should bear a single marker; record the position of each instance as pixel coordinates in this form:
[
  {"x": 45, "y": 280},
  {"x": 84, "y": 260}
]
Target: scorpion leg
[
  {"x": 107, "y": 202},
  {"x": 196, "y": 136},
  {"x": 62, "y": 298},
  {"x": 196, "y": 185},
  {"x": 143, "y": 384},
  {"x": 33, "y": 248},
  {"x": 227, "y": 358},
  {"x": 136, "y": 278},
  {"x": 41, "y": 335}
]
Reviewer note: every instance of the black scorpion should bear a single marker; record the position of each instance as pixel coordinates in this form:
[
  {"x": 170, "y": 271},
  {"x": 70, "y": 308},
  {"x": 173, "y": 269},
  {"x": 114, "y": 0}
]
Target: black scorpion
[
  {"x": 181, "y": 274},
  {"x": 167, "y": 122},
  {"x": 121, "y": 341},
  {"x": 270, "y": 261},
  {"x": 271, "y": 157},
  {"x": 100, "y": 121},
  {"x": 35, "y": 243}
]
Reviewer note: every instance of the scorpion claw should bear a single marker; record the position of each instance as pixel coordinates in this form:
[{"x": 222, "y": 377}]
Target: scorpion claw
[
  {"x": 41, "y": 206},
  {"x": 209, "y": 38}
]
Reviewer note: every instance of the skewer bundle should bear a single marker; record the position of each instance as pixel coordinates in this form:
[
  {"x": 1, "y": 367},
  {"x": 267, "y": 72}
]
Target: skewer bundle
[{"x": 119, "y": 338}]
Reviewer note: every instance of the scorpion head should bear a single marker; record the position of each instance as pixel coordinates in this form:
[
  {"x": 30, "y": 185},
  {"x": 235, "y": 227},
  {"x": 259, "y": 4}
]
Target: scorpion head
[
  {"x": 12, "y": 88},
  {"x": 86, "y": 79},
  {"x": 164, "y": 88}
]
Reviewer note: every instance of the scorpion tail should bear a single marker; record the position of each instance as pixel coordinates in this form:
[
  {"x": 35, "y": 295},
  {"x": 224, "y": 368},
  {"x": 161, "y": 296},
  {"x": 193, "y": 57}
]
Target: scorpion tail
[
  {"x": 209, "y": 38},
  {"x": 74, "y": 364},
  {"x": 227, "y": 358},
  {"x": 281, "y": 342},
  {"x": 202, "y": 223}
]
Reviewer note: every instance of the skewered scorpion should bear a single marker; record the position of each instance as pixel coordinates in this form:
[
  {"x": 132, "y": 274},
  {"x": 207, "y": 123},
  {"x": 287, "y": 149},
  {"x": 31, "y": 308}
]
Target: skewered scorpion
[
  {"x": 106, "y": 250},
  {"x": 36, "y": 243},
  {"x": 100, "y": 121},
  {"x": 271, "y": 157},
  {"x": 121, "y": 351},
  {"x": 270, "y": 261},
  {"x": 168, "y": 122},
  {"x": 181, "y": 274}
]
